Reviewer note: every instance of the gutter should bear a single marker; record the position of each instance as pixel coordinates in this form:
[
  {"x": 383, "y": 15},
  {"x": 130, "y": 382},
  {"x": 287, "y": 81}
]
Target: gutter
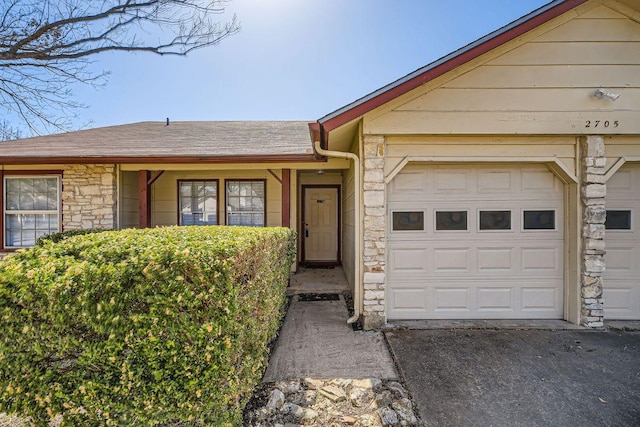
[{"x": 357, "y": 286}]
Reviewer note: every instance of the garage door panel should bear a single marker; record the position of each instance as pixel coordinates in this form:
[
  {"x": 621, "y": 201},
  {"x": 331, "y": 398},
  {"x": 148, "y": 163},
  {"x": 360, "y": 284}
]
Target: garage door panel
[
  {"x": 461, "y": 301},
  {"x": 408, "y": 260},
  {"x": 451, "y": 299},
  {"x": 497, "y": 271},
  {"x": 448, "y": 260},
  {"x": 435, "y": 183},
  {"x": 622, "y": 300},
  {"x": 540, "y": 259},
  {"x": 541, "y": 298},
  {"x": 622, "y": 274},
  {"x": 446, "y": 182},
  {"x": 409, "y": 299},
  {"x": 410, "y": 182},
  {"x": 452, "y": 260},
  {"x": 492, "y": 260},
  {"x": 495, "y": 299},
  {"x": 622, "y": 183},
  {"x": 499, "y": 181},
  {"x": 540, "y": 182},
  {"x": 623, "y": 260}
]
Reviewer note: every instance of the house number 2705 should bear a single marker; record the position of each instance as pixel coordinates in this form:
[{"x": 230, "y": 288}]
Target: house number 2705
[{"x": 601, "y": 124}]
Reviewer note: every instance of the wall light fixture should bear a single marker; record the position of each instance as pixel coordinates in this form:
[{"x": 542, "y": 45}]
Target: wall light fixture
[{"x": 601, "y": 94}]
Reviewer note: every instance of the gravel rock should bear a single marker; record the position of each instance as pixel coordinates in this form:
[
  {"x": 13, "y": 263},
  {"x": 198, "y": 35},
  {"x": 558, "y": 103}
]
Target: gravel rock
[
  {"x": 289, "y": 387},
  {"x": 348, "y": 420},
  {"x": 368, "y": 383},
  {"x": 388, "y": 416},
  {"x": 384, "y": 398},
  {"x": 332, "y": 403},
  {"x": 360, "y": 397},
  {"x": 404, "y": 409},
  {"x": 333, "y": 393},
  {"x": 397, "y": 389},
  {"x": 312, "y": 384},
  {"x": 276, "y": 400}
]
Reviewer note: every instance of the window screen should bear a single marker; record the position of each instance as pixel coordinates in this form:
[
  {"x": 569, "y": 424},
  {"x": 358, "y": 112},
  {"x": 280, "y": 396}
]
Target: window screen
[
  {"x": 246, "y": 203},
  {"x": 198, "y": 202},
  {"x": 31, "y": 209}
]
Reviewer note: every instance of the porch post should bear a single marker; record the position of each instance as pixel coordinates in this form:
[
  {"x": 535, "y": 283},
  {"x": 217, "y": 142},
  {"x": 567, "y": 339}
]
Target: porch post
[
  {"x": 144, "y": 205},
  {"x": 286, "y": 197}
]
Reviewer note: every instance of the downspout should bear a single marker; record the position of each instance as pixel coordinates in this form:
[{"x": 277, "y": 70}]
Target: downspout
[{"x": 357, "y": 294}]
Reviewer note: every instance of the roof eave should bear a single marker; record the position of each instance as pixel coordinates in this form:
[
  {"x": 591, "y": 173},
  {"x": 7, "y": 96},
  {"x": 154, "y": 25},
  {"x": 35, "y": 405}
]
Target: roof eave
[{"x": 275, "y": 158}]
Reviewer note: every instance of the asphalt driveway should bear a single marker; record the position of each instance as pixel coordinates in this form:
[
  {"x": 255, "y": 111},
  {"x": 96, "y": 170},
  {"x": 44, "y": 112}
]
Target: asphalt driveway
[{"x": 521, "y": 378}]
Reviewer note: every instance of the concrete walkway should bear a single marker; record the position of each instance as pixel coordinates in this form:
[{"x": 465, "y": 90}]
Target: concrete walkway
[
  {"x": 316, "y": 342},
  {"x": 318, "y": 280}
]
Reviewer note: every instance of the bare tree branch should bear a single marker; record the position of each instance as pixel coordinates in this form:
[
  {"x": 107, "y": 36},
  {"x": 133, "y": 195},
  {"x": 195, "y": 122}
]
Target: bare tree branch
[
  {"x": 8, "y": 132},
  {"x": 48, "y": 45}
]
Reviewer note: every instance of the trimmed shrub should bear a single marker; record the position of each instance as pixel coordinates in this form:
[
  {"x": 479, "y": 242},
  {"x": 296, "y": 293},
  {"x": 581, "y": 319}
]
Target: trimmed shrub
[
  {"x": 164, "y": 326},
  {"x": 61, "y": 235}
]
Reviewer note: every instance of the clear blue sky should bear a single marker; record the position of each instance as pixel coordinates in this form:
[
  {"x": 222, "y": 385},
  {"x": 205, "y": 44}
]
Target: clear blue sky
[{"x": 292, "y": 60}]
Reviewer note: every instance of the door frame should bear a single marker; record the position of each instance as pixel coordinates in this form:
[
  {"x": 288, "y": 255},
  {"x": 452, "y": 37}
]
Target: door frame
[{"x": 338, "y": 260}]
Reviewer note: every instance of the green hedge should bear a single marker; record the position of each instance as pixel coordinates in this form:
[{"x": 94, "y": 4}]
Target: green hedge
[
  {"x": 165, "y": 326},
  {"x": 61, "y": 235}
]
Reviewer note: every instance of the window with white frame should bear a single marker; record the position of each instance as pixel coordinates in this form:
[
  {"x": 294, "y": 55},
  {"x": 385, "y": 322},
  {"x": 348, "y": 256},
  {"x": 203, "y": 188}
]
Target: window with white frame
[
  {"x": 198, "y": 202},
  {"x": 31, "y": 209},
  {"x": 246, "y": 202}
]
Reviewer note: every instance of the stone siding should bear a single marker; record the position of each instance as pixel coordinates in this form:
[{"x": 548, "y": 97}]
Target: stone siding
[
  {"x": 594, "y": 191},
  {"x": 374, "y": 233},
  {"x": 89, "y": 197}
]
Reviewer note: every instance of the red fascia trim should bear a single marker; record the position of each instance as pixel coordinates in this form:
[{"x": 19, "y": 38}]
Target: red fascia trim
[
  {"x": 314, "y": 130},
  {"x": 453, "y": 63},
  {"x": 271, "y": 158}
]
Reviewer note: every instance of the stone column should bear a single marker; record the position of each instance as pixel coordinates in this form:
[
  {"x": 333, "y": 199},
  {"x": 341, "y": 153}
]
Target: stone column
[
  {"x": 374, "y": 233},
  {"x": 594, "y": 190},
  {"x": 89, "y": 197}
]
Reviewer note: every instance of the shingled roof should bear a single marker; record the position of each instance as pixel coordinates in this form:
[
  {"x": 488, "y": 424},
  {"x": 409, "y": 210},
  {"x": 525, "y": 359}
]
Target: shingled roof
[{"x": 179, "y": 142}]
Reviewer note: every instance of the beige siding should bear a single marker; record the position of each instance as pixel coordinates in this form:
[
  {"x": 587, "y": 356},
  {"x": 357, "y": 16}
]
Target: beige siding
[
  {"x": 327, "y": 178},
  {"x": 547, "y": 77},
  {"x": 542, "y": 86},
  {"x": 165, "y": 194},
  {"x": 627, "y": 147},
  {"x": 129, "y": 200},
  {"x": 348, "y": 224},
  {"x": 308, "y": 166},
  {"x": 494, "y": 148}
]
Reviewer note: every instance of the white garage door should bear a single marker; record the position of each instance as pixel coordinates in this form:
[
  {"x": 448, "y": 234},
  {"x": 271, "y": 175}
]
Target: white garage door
[
  {"x": 475, "y": 242},
  {"x": 622, "y": 274}
]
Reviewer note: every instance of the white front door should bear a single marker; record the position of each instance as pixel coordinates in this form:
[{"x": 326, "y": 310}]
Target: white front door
[
  {"x": 320, "y": 226},
  {"x": 622, "y": 241},
  {"x": 475, "y": 242}
]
